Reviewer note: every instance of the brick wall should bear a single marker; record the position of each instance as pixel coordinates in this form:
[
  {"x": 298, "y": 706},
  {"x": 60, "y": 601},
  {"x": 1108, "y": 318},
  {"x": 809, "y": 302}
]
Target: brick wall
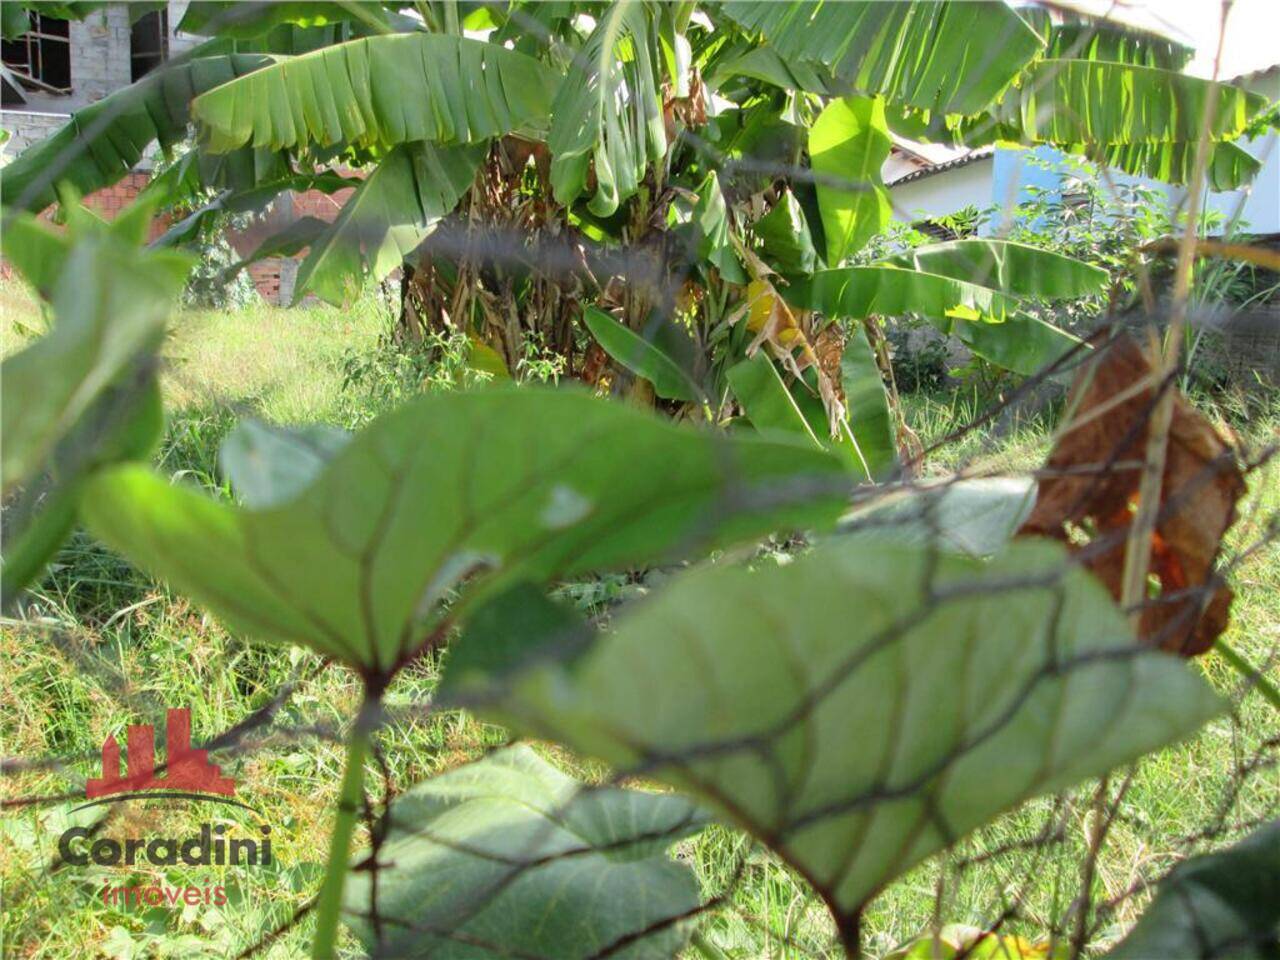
[
  {"x": 274, "y": 277},
  {"x": 109, "y": 201}
]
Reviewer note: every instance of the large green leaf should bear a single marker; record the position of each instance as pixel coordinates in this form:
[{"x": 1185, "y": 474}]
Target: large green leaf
[
  {"x": 797, "y": 409},
  {"x": 123, "y": 422},
  {"x": 1214, "y": 907},
  {"x": 1229, "y": 167},
  {"x": 507, "y": 633},
  {"x": 379, "y": 92},
  {"x": 1131, "y": 115},
  {"x": 947, "y": 57},
  {"x": 785, "y": 238},
  {"x": 35, "y": 250},
  {"x": 764, "y": 63},
  {"x": 1087, "y": 102},
  {"x": 837, "y": 436},
  {"x": 870, "y": 420},
  {"x": 390, "y": 213},
  {"x": 103, "y": 142},
  {"x": 867, "y": 704},
  {"x": 1014, "y": 341},
  {"x": 509, "y": 857},
  {"x": 976, "y": 516},
  {"x": 848, "y": 144},
  {"x": 765, "y": 399},
  {"x": 887, "y": 290},
  {"x": 1022, "y": 343},
  {"x": 110, "y": 303},
  {"x": 39, "y": 251},
  {"x": 13, "y": 21},
  {"x": 241, "y": 19},
  {"x": 480, "y": 488},
  {"x": 641, "y": 357},
  {"x": 709, "y": 224},
  {"x": 1109, "y": 41},
  {"x": 1012, "y": 268},
  {"x": 85, "y": 395},
  {"x": 607, "y": 115}
]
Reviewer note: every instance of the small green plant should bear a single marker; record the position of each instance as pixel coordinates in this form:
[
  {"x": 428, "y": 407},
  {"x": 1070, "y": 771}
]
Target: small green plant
[{"x": 390, "y": 373}]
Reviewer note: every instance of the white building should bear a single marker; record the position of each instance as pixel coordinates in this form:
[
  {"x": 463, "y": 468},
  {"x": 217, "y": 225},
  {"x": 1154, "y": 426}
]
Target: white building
[{"x": 998, "y": 177}]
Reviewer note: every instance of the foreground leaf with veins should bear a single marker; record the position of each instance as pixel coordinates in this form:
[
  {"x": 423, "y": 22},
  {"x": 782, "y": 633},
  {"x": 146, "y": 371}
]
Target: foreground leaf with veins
[
  {"x": 1217, "y": 906},
  {"x": 85, "y": 395},
  {"x": 509, "y": 857},
  {"x": 868, "y": 704},
  {"x": 111, "y": 303},
  {"x": 480, "y": 487}
]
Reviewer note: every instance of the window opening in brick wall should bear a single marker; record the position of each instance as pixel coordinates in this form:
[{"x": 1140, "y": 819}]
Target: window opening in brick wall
[
  {"x": 148, "y": 43},
  {"x": 41, "y": 57}
]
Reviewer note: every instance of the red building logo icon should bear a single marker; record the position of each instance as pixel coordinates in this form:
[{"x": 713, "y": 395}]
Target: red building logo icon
[{"x": 187, "y": 769}]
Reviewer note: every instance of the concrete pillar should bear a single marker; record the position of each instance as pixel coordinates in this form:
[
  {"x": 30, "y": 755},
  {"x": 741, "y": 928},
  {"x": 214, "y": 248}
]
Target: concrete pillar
[{"x": 100, "y": 53}]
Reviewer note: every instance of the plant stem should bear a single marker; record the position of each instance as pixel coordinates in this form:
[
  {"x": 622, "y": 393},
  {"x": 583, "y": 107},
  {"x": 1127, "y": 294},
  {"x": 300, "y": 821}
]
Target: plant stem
[
  {"x": 364, "y": 16},
  {"x": 1137, "y": 554},
  {"x": 350, "y": 798},
  {"x": 1249, "y": 672}
]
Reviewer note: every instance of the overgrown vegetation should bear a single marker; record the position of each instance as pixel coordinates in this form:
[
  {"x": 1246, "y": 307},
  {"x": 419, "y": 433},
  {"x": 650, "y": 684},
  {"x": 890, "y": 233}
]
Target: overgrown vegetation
[
  {"x": 810, "y": 668},
  {"x": 100, "y": 641}
]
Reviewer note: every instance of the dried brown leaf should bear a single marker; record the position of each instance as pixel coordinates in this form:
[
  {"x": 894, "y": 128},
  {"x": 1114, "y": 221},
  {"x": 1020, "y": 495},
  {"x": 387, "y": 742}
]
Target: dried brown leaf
[{"x": 1090, "y": 487}]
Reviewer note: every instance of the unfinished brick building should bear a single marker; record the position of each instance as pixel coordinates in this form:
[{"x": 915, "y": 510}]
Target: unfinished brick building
[{"x": 60, "y": 66}]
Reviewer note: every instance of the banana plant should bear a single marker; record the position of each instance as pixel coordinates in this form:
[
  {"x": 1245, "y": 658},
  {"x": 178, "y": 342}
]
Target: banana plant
[
  {"x": 680, "y": 198},
  {"x": 616, "y": 115}
]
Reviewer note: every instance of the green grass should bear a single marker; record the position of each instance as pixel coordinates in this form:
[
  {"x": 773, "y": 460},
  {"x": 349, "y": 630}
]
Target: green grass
[{"x": 103, "y": 645}]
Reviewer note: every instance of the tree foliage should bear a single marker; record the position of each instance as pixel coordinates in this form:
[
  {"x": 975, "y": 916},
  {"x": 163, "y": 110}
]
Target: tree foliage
[{"x": 681, "y": 202}]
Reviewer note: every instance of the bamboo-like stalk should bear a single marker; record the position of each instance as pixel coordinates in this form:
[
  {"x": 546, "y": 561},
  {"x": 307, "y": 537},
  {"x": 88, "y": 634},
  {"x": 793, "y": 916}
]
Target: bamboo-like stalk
[
  {"x": 350, "y": 798},
  {"x": 1137, "y": 557}
]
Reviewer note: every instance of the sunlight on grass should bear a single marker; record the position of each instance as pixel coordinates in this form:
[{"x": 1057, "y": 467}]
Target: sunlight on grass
[
  {"x": 20, "y": 315},
  {"x": 280, "y": 364}
]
